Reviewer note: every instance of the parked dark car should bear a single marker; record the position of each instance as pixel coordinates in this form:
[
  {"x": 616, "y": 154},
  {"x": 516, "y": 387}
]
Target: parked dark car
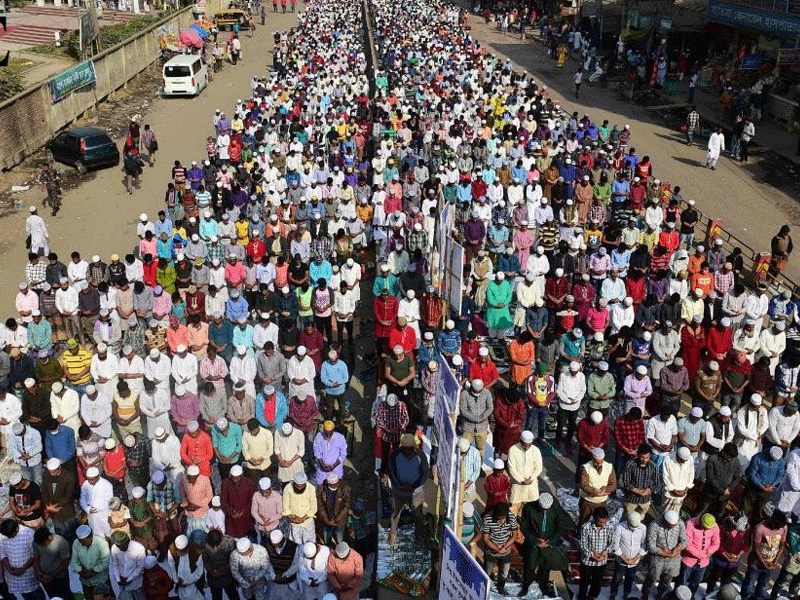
[{"x": 84, "y": 148}]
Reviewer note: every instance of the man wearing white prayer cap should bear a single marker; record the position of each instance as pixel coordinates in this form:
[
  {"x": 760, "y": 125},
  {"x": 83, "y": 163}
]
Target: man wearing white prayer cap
[
  {"x": 345, "y": 572},
  {"x": 283, "y": 556},
  {"x": 597, "y": 482},
  {"x": 251, "y": 568},
  {"x": 312, "y": 572},
  {"x": 524, "y": 467},
  {"x": 669, "y": 534},
  {"x": 678, "y": 474},
  {"x": 300, "y": 508},
  {"x": 96, "y": 492},
  {"x": 185, "y": 565},
  {"x": 541, "y": 520},
  {"x": 290, "y": 447},
  {"x": 752, "y": 423},
  {"x": 570, "y": 390}
]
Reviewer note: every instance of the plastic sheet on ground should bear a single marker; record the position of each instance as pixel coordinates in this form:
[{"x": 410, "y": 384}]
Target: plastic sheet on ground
[
  {"x": 571, "y": 505},
  {"x": 512, "y": 589},
  {"x": 403, "y": 566}
]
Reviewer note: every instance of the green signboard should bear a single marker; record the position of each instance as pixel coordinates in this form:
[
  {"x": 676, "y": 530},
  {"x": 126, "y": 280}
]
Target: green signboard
[{"x": 66, "y": 82}]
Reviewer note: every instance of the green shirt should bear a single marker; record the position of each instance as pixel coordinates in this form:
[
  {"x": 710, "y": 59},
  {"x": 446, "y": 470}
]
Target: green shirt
[
  {"x": 94, "y": 558},
  {"x": 400, "y": 370},
  {"x": 230, "y": 443}
]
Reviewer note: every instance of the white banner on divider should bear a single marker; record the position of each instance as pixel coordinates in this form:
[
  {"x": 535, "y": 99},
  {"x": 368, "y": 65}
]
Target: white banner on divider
[{"x": 462, "y": 578}]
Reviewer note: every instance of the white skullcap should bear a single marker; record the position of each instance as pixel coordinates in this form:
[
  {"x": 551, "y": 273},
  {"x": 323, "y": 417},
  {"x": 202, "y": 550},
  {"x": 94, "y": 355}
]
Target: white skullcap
[
  {"x": 713, "y": 365},
  {"x": 484, "y": 351},
  {"x": 725, "y": 411},
  {"x": 300, "y": 478},
  {"x": 158, "y": 477},
  {"x": 264, "y": 483},
  {"x": 596, "y": 417},
  {"x": 527, "y": 437},
  {"x": 677, "y": 361},
  {"x": 243, "y": 545},
  {"x": 181, "y": 542},
  {"x": 138, "y": 492},
  {"x": 150, "y": 562},
  {"x": 634, "y": 518},
  {"x": 83, "y": 532},
  {"x": 683, "y": 593},
  {"x": 697, "y": 412},
  {"x": 776, "y": 453},
  {"x": 641, "y": 370},
  {"x": 15, "y": 478},
  {"x": 192, "y": 470},
  {"x": 92, "y": 472},
  {"x": 498, "y": 464},
  {"x": 671, "y": 517},
  {"x": 574, "y": 366},
  {"x": 684, "y": 453},
  {"x": 53, "y": 464},
  {"x": 309, "y": 549},
  {"x": 236, "y": 470},
  {"x": 276, "y": 536},
  {"x": 756, "y": 399},
  {"x": 598, "y": 453}
]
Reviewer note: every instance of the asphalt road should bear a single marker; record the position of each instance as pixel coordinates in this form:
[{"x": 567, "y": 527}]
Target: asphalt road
[
  {"x": 743, "y": 196},
  {"x": 99, "y": 217}
]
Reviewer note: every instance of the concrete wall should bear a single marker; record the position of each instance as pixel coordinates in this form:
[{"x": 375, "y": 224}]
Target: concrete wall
[{"x": 28, "y": 120}]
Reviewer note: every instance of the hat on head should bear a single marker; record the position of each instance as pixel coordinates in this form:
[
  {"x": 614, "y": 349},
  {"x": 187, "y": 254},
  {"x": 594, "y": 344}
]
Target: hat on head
[
  {"x": 236, "y": 470},
  {"x": 598, "y": 453},
  {"x": 264, "y": 483},
  {"x": 192, "y": 470},
  {"x": 776, "y": 453},
  {"x": 15, "y": 478},
  {"x": 634, "y": 518},
  {"x": 243, "y": 544},
  {"x": 150, "y": 561},
  {"x": 708, "y": 520},
  {"x": 309, "y": 549},
  {"x": 683, "y": 593},
  {"x": 696, "y": 412},
  {"x": 53, "y": 464},
  {"x": 138, "y": 492},
  {"x": 756, "y": 399},
  {"x": 300, "y": 478},
  {"x": 276, "y": 536},
  {"x": 83, "y": 532},
  {"x": 725, "y": 411},
  {"x": 671, "y": 517},
  {"x": 158, "y": 477},
  {"x": 216, "y": 502},
  {"x": 684, "y": 453},
  {"x": 92, "y": 472},
  {"x": 545, "y": 500},
  {"x": 342, "y": 550}
]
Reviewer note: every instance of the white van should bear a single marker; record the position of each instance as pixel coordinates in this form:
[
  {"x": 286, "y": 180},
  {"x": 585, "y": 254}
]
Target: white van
[{"x": 184, "y": 75}]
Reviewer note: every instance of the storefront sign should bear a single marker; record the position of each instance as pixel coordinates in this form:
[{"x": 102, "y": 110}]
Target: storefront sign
[
  {"x": 754, "y": 18},
  {"x": 66, "y": 82},
  {"x": 666, "y": 22}
]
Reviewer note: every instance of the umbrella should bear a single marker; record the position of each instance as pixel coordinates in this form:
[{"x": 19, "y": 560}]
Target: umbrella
[{"x": 191, "y": 38}]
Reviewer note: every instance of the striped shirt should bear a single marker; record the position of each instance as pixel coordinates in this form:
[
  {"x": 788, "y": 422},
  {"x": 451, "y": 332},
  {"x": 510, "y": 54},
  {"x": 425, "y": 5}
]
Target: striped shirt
[
  {"x": 497, "y": 533},
  {"x": 635, "y": 476},
  {"x": 74, "y": 363}
]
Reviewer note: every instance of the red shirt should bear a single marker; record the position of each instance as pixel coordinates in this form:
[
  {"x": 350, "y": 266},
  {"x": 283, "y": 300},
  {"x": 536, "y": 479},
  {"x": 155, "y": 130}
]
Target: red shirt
[
  {"x": 591, "y": 435},
  {"x": 497, "y": 488},
  {"x": 629, "y": 433},
  {"x": 406, "y": 337},
  {"x": 485, "y": 371},
  {"x": 719, "y": 342},
  {"x": 385, "y": 310},
  {"x": 256, "y": 249},
  {"x": 150, "y": 273},
  {"x": 636, "y": 288},
  {"x": 114, "y": 463},
  {"x": 469, "y": 350}
]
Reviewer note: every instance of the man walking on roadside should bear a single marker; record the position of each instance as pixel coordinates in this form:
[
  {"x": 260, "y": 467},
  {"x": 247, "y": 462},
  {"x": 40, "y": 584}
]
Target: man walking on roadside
[
  {"x": 692, "y": 125},
  {"x": 578, "y": 81},
  {"x": 748, "y": 132}
]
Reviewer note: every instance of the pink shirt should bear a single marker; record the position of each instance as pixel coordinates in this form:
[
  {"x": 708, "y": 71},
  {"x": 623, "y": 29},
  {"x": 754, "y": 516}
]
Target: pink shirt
[
  {"x": 199, "y": 493},
  {"x": 268, "y": 510},
  {"x": 27, "y": 303},
  {"x": 700, "y": 544}
]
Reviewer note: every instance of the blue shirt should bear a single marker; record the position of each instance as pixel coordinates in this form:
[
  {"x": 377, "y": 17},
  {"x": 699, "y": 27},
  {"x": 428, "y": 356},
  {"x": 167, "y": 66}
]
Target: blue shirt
[
  {"x": 320, "y": 271},
  {"x": 162, "y": 227},
  {"x": 236, "y": 308},
  {"x": 765, "y": 471},
  {"x": 619, "y": 187},
  {"x": 331, "y": 373},
  {"x": 450, "y": 342},
  {"x": 281, "y": 409},
  {"x": 243, "y": 337},
  {"x": 61, "y": 444}
]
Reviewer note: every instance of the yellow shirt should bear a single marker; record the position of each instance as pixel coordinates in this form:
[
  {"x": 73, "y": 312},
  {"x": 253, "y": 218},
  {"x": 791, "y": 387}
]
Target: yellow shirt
[
  {"x": 303, "y": 505},
  {"x": 75, "y": 363},
  {"x": 258, "y": 447}
]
